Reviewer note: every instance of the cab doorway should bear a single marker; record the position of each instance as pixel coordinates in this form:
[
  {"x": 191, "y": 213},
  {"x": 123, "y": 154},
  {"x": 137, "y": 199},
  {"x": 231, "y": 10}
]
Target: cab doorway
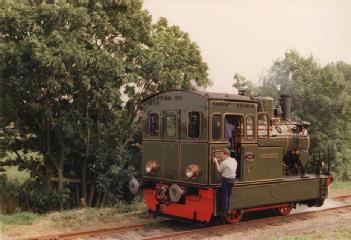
[{"x": 233, "y": 134}]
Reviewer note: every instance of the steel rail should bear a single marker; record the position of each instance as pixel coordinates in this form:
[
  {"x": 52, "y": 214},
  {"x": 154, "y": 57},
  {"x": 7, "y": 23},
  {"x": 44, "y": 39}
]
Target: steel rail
[{"x": 342, "y": 197}]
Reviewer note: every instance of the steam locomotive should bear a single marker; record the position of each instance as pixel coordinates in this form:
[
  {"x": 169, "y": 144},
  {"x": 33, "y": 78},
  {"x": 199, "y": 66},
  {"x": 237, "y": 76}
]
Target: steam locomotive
[{"x": 184, "y": 130}]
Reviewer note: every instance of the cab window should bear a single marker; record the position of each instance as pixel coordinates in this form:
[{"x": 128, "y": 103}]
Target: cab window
[
  {"x": 154, "y": 124},
  {"x": 171, "y": 125},
  {"x": 250, "y": 128},
  {"x": 263, "y": 126},
  {"x": 194, "y": 124},
  {"x": 216, "y": 126}
]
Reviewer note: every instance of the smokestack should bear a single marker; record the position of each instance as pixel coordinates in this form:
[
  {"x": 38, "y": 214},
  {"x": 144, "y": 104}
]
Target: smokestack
[{"x": 285, "y": 102}]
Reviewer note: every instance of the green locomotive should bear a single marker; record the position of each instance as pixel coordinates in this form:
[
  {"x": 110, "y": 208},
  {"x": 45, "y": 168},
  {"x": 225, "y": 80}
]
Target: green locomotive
[{"x": 184, "y": 130}]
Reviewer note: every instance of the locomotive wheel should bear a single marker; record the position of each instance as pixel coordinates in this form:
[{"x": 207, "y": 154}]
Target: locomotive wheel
[
  {"x": 283, "y": 211},
  {"x": 234, "y": 217}
]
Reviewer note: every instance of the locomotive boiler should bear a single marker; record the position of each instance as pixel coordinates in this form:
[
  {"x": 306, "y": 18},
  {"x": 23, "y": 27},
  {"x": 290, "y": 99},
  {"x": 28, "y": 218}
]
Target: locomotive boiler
[{"x": 184, "y": 130}]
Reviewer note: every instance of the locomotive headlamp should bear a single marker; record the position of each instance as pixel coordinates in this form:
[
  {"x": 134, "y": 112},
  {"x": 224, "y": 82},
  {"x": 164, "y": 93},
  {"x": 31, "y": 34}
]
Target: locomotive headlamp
[
  {"x": 151, "y": 167},
  {"x": 192, "y": 171},
  {"x": 189, "y": 173}
]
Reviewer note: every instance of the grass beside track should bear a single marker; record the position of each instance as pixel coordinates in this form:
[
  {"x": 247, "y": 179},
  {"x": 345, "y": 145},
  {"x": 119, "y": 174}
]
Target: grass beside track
[
  {"x": 339, "y": 185},
  {"x": 338, "y": 188},
  {"x": 74, "y": 216},
  {"x": 21, "y": 218},
  {"x": 21, "y": 225}
]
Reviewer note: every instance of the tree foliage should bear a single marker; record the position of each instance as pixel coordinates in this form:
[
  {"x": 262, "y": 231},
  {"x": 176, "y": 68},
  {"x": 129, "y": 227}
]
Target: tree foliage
[
  {"x": 322, "y": 96},
  {"x": 241, "y": 83},
  {"x": 73, "y": 76}
]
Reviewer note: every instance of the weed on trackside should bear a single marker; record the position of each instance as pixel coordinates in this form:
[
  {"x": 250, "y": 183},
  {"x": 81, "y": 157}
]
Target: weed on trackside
[
  {"x": 21, "y": 218},
  {"x": 341, "y": 185}
]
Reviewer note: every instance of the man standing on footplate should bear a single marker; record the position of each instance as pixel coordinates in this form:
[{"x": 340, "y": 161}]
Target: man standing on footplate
[{"x": 228, "y": 169}]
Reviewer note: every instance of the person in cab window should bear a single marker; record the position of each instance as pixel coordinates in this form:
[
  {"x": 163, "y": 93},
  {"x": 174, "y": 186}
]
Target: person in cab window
[
  {"x": 229, "y": 130},
  {"x": 238, "y": 138},
  {"x": 228, "y": 170}
]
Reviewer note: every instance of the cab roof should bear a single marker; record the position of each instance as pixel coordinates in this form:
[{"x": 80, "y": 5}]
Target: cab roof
[{"x": 208, "y": 95}]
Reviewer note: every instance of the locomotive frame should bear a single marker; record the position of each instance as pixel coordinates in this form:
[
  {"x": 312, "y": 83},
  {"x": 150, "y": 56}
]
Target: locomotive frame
[{"x": 264, "y": 182}]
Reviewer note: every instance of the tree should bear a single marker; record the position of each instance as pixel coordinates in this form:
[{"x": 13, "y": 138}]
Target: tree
[
  {"x": 321, "y": 96},
  {"x": 241, "y": 83},
  {"x": 73, "y": 76}
]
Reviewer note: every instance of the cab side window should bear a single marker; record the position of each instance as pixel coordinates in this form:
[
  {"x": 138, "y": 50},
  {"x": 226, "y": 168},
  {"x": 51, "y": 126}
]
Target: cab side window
[
  {"x": 194, "y": 124},
  {"x": 250, "y": 128},
  {"x": 154, "y": 124},
  {"x": 171, "y": 125},
  {"x": 263, "y": 126},
  {"x": 216, "y": 126}
]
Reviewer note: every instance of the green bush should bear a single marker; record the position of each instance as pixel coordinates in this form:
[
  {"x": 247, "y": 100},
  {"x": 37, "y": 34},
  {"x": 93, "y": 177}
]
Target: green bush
[
  {"x": 9, "y": 195},
  {"x": 40, "y": 200},
  {"x": 30, "y": 196},
  {"x": 20, "y": 218}
]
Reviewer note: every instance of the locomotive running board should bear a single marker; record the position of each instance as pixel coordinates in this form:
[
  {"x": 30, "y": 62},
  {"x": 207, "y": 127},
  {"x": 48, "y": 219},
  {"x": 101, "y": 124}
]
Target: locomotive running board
[{"x": 266, "y": 207}]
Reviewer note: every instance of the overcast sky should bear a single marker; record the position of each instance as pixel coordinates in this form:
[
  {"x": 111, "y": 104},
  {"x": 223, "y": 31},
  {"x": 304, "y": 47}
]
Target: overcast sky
[{"x": 246, "y": 36}]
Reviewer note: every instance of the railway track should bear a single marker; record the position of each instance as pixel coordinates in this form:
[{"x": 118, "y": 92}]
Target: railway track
[
  {"x": 229, "y": 228},
  {"x": 179, "y": 234},
  {"x": 341, "y": 197}
]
